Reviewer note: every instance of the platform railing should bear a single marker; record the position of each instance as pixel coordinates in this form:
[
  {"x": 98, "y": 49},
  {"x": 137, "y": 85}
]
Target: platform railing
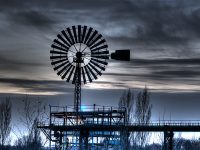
[
  {"x": 164, "y": 123},
  {"x": 85, "y": 108}
]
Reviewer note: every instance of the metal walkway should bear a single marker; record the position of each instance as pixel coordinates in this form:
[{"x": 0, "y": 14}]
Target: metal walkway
[{"x": 167, "y": 128}]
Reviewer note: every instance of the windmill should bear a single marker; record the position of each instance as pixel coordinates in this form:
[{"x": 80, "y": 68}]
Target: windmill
[{"x": 79, "y": 54}]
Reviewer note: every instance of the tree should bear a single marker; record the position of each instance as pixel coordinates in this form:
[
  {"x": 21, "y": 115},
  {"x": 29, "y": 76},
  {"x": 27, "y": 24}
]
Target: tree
[
  {"x": 31, "y": 114},
  {"x": 143, "y": 114},
  {"x": 32, "y": 141},
  {"x": 5, "y": 120},
  {"x": 139, "y": 112},
  {"x": 127, "y": 101}
]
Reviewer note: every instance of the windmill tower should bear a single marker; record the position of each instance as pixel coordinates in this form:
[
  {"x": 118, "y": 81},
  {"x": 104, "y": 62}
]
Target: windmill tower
[{"x": 79, "y": 55}]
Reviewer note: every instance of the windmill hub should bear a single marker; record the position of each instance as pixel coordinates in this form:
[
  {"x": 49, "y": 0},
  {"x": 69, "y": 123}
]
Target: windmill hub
[
  {"x": 79, "y": 55},
  {"x": 78, "y": 58}
]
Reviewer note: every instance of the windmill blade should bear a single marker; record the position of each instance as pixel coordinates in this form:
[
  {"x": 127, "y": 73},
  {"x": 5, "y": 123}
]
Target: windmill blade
[
  {"x": 83, "y": 35},
  {"x": 101, "y": 56},
  {"x": 66, "y": 72},
  {"x": 57, "y": 57},
  {"x": 96, "y": 39},
  {"x": 87, "y": 35},
  {"x": 88, "y": 74},
  {"x": 57, "y": 52},
  {"x": 100, "y": 53},
  {"x": 63, "y": 69},
  {"x": 59, "y": 48},
  {"x": 71, "y": 36},
  {"x": 71, "y": 72},
  {"x": 66, "y": 36},
  {"x": 61, "y": 44},
  {"x": 99, "y": 61},
  {"x": 75, "y": 34},
  {"x": 60, "y": 65},
  {"x": 79, "y": 33},
  {"x": 99, "y": 48},
  {"x": 91, "y": 37},
  {"x": 97, "y": 71},
  {"x": 58, "y": 61},
  {"x": 62, "y": 39},
  {"x": 98, "y": 43},
  {"x": 91, "y": 71},
  {"x": 83, "y": 73},
  {"x": 97, "y": 65}
]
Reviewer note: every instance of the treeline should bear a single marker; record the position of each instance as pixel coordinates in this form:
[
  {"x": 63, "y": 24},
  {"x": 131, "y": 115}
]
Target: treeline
[
  {"x": 179, "y": 144},
  {"x": 27, "y": 134}
]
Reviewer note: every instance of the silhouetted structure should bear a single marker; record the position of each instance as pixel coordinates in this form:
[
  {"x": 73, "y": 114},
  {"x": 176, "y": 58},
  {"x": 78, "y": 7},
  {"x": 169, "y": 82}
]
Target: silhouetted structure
[
  {"x": 104, "y": 127},
  {"x": 93, "y": 129},
  {"x": 79, "y": 54}
]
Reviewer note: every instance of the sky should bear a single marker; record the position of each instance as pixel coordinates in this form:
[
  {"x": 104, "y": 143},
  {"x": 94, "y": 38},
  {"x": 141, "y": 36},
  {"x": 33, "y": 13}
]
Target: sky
[{"x": 163, "y": 36}]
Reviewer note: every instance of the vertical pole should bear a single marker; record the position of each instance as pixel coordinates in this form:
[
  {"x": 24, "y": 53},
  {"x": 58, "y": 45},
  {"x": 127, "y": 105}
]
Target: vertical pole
[
  {"x": 83, "y": 140},
  {"x": 92, "y": 135},
  {"x": 80, "y": 140},
  {"x": 171, "y": 134},
  {"x": 50, "y": 128},
  {"x": 168, "y": 140},
  {"x": 165, "y": 141},
  {"x": 77, "y": 94}
]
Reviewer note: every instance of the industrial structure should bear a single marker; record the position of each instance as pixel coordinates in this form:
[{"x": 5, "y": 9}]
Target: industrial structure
[
  {"x": 79, "y": 55},
  {"x": 66, "y": 132}
]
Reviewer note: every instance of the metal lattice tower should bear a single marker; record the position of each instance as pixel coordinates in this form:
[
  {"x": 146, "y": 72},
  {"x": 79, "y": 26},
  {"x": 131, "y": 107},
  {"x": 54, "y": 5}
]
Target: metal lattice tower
[{"x": 79, "y": 54}]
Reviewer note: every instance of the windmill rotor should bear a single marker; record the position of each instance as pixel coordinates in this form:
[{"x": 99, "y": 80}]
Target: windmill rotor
[
  {"x": 79, "y": 46},
  {"x": 79, "y": 54}
]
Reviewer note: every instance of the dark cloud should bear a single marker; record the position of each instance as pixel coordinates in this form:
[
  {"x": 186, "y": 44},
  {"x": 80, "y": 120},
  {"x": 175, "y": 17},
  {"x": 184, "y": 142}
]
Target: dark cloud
[
  {"x": 179, "y": 73},
  {"x": 39, "y": 85},
  {"x": 13, "y": 65},
  {"x": 126, "y": 23},
  {"x": 31, "y": 18},
  {"x": 156, "y": 26},
  {"x": 62, "y": 4},
  {"x": 167, "y": 61},
  {"x": 157, "y": 71}
]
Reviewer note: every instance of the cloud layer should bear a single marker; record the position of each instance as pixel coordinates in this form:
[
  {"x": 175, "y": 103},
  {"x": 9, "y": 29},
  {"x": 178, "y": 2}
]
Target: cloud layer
[{"x": 163, "y": 37}]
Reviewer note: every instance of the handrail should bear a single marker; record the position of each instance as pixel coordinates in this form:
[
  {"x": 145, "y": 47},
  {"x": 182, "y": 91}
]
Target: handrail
[{"x": 120, "y": 123}]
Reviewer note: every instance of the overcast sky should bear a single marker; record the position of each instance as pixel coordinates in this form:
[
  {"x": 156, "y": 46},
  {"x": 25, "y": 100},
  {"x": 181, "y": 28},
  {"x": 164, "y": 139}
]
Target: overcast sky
[{"x": 163, "y": 36}]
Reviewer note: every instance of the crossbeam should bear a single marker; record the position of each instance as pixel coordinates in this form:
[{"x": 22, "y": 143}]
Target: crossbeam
[{"x": 130, "y": 128}]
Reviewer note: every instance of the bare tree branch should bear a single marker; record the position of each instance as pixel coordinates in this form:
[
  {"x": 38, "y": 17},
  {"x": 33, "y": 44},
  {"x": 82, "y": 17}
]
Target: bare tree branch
[
  {"x": 5, "y": 120},
  {"x": 143, "y": 115}
]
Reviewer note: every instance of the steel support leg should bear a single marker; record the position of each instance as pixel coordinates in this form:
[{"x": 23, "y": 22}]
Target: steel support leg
[
  {"x": 83, "y": 140},
  {"x": 168, "y": 140},
  {"x": 124, "y": 142}
]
